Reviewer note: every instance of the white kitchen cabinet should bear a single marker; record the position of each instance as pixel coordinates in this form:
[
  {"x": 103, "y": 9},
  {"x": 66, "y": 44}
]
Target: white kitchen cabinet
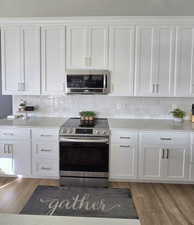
[
  {"x": 20, "y": 47},
  {"x": 184, "y": 63},
  {"x": 15, "y": 157},
  {"x": 21, "y": 157},
  {"x": 161, "y": 159},
  {"x": 45, "y": 168},
  {"x": 154, "y": 60},
  {"x": 177, "y": 162},
  {"x": 123, "y": 155},
  {"x": 53, "y": 59},
  {"x": 87, "y": 47},
  {"x": 6, "y": 159},
  {"x": 151, "y": 164},
  {"x": 45, "y": 152},
  {"x": 15, "y": 148},
  {"x": 191, "y": 160},
  {"x": 122, "y": 46}
]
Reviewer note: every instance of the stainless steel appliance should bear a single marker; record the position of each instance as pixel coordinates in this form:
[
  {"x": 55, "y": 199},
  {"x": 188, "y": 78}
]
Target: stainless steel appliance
[
  {"x": 87, "y": 82},
  {"x": 84, "y": 153}
]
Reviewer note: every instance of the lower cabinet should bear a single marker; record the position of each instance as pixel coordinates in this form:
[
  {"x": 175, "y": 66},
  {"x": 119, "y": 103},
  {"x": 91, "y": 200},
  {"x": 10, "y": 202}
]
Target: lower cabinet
[
  {"x": 15, "y": 157},
  {"x": 45, "y": 168},
  {"x": 164, "y": 160},
  {"x": 150, "y": 162},
  {"x": 6, "y": 159},
  {"x": 15, "y": 152},
  {"x": 191, "y": 166},
  {"x": 123, "y": 155},
  {"x": 123, "y": 162},
  {"x": 22, "y": 158},
  {"x": 45, "y": 153}
]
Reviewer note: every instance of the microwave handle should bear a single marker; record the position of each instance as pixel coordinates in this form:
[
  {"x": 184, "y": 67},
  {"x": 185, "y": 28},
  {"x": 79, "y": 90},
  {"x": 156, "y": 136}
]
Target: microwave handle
[{"x": 105, "y": 81}]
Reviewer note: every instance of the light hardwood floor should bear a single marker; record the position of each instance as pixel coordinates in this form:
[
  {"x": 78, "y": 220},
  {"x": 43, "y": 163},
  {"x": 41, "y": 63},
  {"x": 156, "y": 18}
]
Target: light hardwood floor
[{"x": 156, "y": 204}]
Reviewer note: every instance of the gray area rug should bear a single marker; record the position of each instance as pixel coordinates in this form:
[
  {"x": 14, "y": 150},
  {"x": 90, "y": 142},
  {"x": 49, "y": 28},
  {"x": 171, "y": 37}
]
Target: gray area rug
[{"x": 81, "y": 201}]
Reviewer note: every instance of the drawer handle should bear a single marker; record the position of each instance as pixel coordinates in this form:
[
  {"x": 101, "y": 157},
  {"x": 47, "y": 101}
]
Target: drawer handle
[
  {"x": 166, "y": 139},
  {"x": 8, "y": 134},
  {"x": 45, "y": 168},
  {"x": 45, "y": 150},
  {"x": 125, "y": 146},
  {"x": 46, "y": 135},
  {"x": 125, "y": 137}
]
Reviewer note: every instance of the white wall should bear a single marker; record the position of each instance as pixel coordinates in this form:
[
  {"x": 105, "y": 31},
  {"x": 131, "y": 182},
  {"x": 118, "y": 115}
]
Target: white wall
[
  {"x": 106, "y": 106},
  {"x": 30, "y": 8}
]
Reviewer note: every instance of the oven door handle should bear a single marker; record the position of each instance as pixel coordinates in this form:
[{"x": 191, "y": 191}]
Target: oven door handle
[{"x": 77, "y": 140}]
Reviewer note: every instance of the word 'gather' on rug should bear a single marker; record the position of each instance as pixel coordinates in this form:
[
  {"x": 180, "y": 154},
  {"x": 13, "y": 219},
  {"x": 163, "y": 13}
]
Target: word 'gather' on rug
[{"x": 81, "y": 201}]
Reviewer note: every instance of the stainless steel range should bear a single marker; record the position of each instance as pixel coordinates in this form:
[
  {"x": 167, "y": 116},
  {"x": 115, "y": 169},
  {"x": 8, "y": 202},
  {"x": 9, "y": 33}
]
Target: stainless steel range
[{"x": 84, "y": 152}]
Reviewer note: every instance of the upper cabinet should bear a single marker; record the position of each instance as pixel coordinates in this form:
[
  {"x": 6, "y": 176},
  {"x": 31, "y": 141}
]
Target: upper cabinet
[
  {"x": 53, "y": 59},
  {"x": 184, "y": 62},
  {"x": 154, "y": 60},
  {"x": 20, "y": 47},
  {"x": 122, "y": 46},
  {"x": 87, "y": 47},
  {"x": 148, "y": 60}
]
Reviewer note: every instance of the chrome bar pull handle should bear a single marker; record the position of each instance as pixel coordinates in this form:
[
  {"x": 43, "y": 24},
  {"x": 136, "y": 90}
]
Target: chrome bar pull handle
[
  {"x": 163, "y": 153},
  {"x": 153, "y": 88},
  {"x": 124, "y": 146}
]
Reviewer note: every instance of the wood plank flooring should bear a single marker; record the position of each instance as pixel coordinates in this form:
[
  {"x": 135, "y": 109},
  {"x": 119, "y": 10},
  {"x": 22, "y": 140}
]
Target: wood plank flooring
[{"x": 156, "y": 204}]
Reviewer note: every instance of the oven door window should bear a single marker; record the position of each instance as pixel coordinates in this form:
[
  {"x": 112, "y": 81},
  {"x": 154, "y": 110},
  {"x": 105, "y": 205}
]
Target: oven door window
[
  {"x": 85, "y": 81},
  {"x": 90, "y": 157}
]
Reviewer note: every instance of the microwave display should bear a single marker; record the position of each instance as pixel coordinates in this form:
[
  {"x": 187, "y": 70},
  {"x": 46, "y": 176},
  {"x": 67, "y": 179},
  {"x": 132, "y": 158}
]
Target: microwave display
[{"x": 85, "y": 81}]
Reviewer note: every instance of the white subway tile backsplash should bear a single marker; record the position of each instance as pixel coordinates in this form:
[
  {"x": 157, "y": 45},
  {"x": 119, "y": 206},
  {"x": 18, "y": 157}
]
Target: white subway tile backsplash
[{"x": 105, "y": 106}]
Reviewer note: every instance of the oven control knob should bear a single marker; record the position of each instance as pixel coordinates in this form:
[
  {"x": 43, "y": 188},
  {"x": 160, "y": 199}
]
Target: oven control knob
[
  {"x": 64, "y": 131},
  {"x": 96, "y": 132},
  {"x": 69, "y": 131}
]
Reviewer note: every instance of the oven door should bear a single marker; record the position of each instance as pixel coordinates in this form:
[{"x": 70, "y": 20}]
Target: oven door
[{"x": 84, "y": 156}]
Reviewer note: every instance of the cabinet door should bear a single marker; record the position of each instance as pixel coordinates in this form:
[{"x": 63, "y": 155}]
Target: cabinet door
[
  {"x": 21, "y": 157},
  {"x": 11, "y": 60},
  {"x": 53, "y": 59},
  {"x": 77, "y": 38},
  {"x": 191, "y": 160},
  {"x": 122, "y": 60},
  {"x": 6, "y": 159},
  {"x": 177, "y": 163},
  {"x": 45, "y": 149},
  {"x": 145, "y": 44},
  {"x": 31, "y": 60},
  {"x": 184, "y": 62},
  {"x": 98, "y": 47},
  {"x": 163, "y": 61},
  {"x": 155, "y": 61},
  {"x": 151, "y": 162},
  {"x": 123, "y": 163},
  {"x": 45, "y": 167}
]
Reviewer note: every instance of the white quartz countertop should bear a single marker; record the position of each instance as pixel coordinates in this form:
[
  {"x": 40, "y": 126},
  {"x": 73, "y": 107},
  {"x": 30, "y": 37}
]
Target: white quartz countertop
[
  {"x": 151, "y": 124},
  {"x": 9, "y": 219},
  {"x": 133, "y": 124},
  {"x": 50, "y": 122}
]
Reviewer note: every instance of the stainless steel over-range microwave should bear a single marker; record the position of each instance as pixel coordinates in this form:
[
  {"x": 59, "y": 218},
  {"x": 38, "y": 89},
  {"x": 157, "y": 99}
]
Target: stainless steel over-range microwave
[{"x": 87, "y": 82}]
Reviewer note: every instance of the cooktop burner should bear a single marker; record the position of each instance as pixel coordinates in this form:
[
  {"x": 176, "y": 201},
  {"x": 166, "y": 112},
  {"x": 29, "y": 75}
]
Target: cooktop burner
[
  {"x": 75, "y": 126},
  {"x": 75, "y": 122}
]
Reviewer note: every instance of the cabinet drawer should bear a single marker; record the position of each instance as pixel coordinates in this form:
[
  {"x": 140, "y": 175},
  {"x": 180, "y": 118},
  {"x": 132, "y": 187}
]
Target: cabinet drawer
[
  {"x": 123, "y": 137},
  {"x": 165, "y": 138},
  {"x": 15, "y": 133},
  {"x": 49, "y": 150},
  {"x": 45, "y": 168},
  {"x": 45, "y": 133}
]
